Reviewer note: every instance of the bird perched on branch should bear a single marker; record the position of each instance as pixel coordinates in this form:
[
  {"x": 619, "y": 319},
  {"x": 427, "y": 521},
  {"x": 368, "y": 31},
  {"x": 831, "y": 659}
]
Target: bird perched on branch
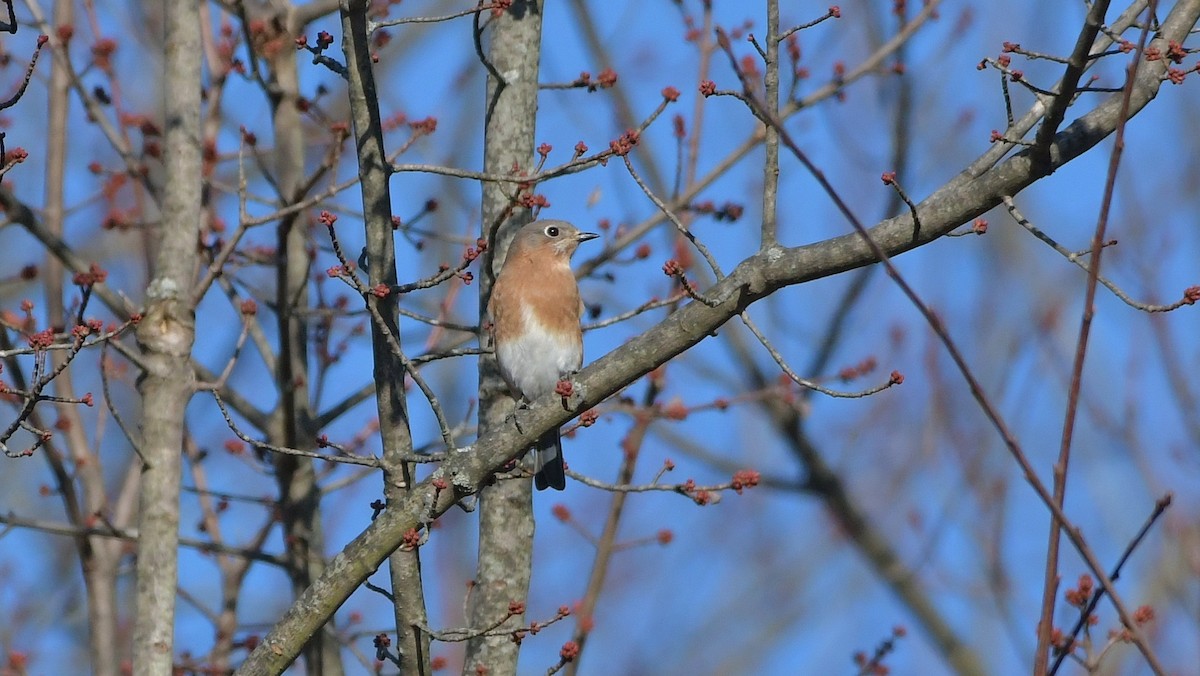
[{"x": 535, "y": 309}]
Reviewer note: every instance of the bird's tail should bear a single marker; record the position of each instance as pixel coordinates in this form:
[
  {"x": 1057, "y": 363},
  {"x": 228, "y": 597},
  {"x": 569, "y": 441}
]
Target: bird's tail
[{"x": 549, "y": 471}]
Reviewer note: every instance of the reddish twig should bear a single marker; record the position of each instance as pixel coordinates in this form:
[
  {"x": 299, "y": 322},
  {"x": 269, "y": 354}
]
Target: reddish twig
[
  {"x": 1160, "y": 506},
  {"x": 1050, "y": 581},
  {"x": 41, "y": 42}
]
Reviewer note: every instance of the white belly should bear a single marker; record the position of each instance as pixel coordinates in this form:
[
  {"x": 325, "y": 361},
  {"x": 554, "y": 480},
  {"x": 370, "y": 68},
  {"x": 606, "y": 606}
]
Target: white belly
[{"x": 534, "y": 363}]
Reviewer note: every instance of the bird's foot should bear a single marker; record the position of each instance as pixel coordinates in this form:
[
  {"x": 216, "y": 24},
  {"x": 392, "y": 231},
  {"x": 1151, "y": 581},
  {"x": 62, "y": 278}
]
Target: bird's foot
[{"x": 514, "y": 417}]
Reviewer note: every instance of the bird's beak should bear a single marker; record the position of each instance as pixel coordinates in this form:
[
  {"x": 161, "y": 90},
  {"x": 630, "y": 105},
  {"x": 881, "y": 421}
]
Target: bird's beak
[{"x": 585, "y": 236}]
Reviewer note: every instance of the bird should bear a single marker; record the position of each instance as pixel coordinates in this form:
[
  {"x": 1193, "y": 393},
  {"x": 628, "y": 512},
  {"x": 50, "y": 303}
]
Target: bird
[{"x": 536, "y": 309}]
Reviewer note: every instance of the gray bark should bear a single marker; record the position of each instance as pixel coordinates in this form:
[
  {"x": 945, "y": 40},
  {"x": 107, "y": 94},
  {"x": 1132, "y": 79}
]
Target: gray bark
[
  {"x": 166, "y": 334},
  {"x": 98, "y": 556},
  {"x": 299, "y": 494},
  {"x": 408, "y": 595},
  {"x": 505, "y": 507}
]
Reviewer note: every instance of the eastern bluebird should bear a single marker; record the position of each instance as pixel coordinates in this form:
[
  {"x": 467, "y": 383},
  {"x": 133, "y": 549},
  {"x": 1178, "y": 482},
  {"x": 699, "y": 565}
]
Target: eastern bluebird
[{"x": 535, "y": 309}]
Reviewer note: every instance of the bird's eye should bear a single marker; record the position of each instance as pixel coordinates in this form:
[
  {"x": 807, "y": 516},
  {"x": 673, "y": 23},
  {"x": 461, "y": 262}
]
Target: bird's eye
[{"x": 551, "y": 231}]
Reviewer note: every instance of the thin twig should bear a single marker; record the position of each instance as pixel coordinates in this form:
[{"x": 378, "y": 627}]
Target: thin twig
[
  {"x": 1075, "y": 257},
  {"x": 371, "y": 461},
  {"x": 832, "y": 13},
  {"x": 371, "y": 300},
  {"x": 889, "y": 178},
  {"x": 135, "y": 444},
  {"x": 652, "y": 304},
  {"x": 373, "y": 26},
  {"x": 41, "y": 41},
  {"x": 894, "y": 379},
  {"x": 131, "y": 535},
  {"x": 701, "y": 495},
  {"x": 1160, "y": 506}
]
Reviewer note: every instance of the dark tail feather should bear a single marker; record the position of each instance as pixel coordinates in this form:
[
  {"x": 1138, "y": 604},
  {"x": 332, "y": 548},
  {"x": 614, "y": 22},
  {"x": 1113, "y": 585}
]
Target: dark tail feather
[{"x": 549, "y": 471}]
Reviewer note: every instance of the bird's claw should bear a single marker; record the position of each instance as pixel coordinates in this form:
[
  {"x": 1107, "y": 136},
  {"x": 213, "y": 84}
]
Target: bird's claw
[{"x": 516, "y": 419}]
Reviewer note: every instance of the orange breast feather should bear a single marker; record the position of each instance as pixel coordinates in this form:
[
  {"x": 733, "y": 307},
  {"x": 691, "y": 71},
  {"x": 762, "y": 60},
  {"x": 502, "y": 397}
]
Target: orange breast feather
[{"x": 550, "y": 292}]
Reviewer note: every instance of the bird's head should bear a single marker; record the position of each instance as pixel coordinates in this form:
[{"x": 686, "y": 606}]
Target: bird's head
[{"x": 558, "y": 239}]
